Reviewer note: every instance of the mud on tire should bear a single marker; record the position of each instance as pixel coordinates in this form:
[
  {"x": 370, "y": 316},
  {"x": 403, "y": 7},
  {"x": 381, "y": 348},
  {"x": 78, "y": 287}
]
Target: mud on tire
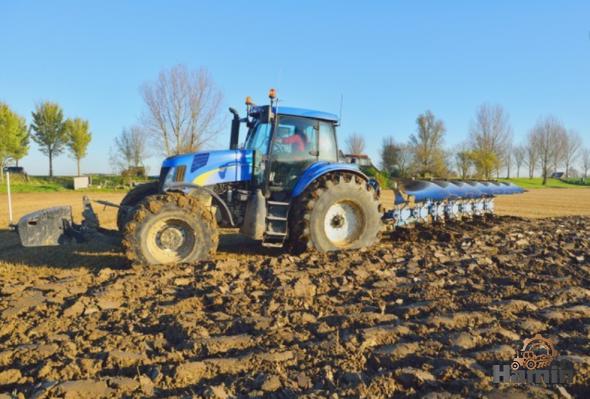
[
  {"x": 132, "y": 198},
  {"x": 170, "y": 228},
  {"x": 337, "y": 211}
]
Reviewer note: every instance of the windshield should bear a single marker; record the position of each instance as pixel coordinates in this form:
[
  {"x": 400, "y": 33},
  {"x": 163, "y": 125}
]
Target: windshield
[{"x": 258, "y": 138}]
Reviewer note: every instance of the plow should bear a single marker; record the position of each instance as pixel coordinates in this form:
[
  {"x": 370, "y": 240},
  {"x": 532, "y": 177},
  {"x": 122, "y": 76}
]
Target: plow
[
  {"x": 287, "y": 186},
  {"x": 424, "y": 201}
]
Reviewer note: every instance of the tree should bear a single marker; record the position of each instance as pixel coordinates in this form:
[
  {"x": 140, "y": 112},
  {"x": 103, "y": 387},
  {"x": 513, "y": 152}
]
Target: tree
[
  {"x": 355, "y": 144},
  {"x": 79, "y": 136},
  {"x": 49, "y": 130},
  {"x": 507, "y": 159},
  {"x": 131, "y": 149},
  {"x": 405, "y": 160},
  {"x": 490, "y": 135},
  {"x": 532, "y": 156},
  {"x": 182, "y": 110},
  {"x": 519, "y": 154},
  {"x": 559, "y": 150},
  {"x": 14, "y": 142},
  {"x": 429, "y": 156},
  {"x": 485, "y": 162},
  {"x": 464, "y": 162},
  {"x": 586, "y": 161},
  {"x": 572, "y": 146},
  {"x": 22, "y": 148},
  {"x": 390, "y": 154},
  {"x": 546, "y": 136}
]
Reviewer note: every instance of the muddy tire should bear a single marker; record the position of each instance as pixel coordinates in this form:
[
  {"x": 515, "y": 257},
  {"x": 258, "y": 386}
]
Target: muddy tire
[
  {"x": 170, "y": 228},
  {"x": 132, "y": 198},
  {"x": 338, "y": 211}
]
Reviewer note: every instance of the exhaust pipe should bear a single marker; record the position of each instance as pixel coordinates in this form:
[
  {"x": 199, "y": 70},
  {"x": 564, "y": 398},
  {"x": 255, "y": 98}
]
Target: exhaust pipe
[{"x": 235, "y": 130}]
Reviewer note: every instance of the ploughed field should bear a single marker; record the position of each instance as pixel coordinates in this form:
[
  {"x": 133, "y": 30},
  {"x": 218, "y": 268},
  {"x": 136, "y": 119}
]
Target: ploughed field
[{"x": 426, "y": 311}]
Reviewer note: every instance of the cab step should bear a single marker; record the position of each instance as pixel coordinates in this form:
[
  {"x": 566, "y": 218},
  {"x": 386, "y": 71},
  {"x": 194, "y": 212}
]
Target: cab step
[{"x": 277, "y": 226}]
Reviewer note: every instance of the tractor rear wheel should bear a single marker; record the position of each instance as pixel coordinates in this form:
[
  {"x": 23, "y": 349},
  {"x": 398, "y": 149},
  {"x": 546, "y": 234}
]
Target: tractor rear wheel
[
  {"x": 132, "y": 198},
  {"x": 170, "y": 228},
  {"x": 338, "y": 211}
]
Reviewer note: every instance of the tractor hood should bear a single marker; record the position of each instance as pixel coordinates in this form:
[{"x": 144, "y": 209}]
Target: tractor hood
[{"x": 207, "y": 168}]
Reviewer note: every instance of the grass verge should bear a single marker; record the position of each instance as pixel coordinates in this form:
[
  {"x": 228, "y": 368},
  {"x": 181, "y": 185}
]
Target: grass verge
[
  {"x": 44, "y": 184},
  {"x": 537, "y": 182}
]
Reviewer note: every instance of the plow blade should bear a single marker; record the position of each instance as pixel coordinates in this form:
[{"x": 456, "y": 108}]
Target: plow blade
[{"x": 441, "y": 190}]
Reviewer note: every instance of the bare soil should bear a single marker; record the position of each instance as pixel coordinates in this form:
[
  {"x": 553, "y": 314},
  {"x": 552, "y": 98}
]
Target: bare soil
[{"x": 427, "y": 312}]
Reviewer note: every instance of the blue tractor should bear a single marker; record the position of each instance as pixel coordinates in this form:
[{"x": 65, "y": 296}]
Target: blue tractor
[{"x": 285, "y": 186}]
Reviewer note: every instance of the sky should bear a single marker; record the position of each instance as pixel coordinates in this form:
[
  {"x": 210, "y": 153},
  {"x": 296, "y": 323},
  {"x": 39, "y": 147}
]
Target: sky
[{"x": 388, "y": 60}]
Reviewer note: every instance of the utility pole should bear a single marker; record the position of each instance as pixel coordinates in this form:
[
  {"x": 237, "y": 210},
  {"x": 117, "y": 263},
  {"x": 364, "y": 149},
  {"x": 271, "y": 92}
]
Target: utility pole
[{"x": 9, "y": 198}]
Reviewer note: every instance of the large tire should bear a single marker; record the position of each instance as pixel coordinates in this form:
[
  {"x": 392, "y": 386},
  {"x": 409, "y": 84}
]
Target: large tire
[
  {"x": 338, "y": 211},
  {"x": 134, "y": 197},
  {"x": 170, "y": 228}
]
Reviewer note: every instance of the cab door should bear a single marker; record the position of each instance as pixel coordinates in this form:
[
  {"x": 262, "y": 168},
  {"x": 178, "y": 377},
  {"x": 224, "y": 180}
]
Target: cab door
[
  {"x": 258, "y": 141},
  {"x": 294, "y": 149}
]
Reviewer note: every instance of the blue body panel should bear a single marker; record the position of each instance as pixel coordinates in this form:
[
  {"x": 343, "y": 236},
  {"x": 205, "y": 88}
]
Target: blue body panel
[
  {"x": 213, "y": 167},
  {"x": 320, "y": 168}
]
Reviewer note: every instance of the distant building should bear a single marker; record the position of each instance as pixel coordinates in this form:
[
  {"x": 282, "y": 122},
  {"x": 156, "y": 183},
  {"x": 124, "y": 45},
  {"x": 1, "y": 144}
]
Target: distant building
[
  {"x": 359, "y": 159},
  {"x": 556, "y": 175}
]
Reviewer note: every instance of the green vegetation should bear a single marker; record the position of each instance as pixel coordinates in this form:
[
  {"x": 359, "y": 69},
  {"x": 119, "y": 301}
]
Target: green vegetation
[
  {"x": 79, "y": 136},
  {"x": 14, "y": 137},
  {"x": 49, "y": 131},
  {"x": 578, "y": 181},
  {"x": 43, "y": 184},
  {"x": 537, "y": 182},
  {"x": 427, "y": 145},
  {"x": 375, "y": 173}
]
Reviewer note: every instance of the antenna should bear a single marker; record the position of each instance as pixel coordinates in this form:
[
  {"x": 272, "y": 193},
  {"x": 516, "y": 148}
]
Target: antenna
[{"x": 340, "y": 113}]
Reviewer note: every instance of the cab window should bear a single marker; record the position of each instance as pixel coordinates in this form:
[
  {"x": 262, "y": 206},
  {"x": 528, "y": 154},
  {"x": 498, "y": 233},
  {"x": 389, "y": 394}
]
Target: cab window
[
  {"x": 295, "y": 148},
  {"x": 327, "y": 151}
]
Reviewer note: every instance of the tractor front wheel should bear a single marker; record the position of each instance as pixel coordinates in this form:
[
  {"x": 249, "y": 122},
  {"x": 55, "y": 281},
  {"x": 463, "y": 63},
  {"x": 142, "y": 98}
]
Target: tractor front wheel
[
  {"x": 170, "y": 228},
  {"x": 132, "y": 198},
  {"x": 339, "y": 211}
]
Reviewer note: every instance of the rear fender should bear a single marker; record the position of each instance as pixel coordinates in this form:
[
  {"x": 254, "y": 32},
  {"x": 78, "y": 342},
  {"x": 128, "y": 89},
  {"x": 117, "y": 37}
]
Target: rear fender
[{"x": 321, "y": 168}]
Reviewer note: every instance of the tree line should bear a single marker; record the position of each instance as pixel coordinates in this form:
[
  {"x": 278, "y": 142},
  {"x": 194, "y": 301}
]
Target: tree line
[
  {"x": 487, "y": 152},
  {"x": 182, "y": 113},
  {"x": 52, "y": 133}
]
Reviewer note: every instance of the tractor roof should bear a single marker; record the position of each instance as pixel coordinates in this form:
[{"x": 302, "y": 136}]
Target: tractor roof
[{"x": 306, "y": 113}]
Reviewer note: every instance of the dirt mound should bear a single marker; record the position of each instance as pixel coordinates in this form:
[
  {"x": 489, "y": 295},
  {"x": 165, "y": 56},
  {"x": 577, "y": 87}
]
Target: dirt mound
[{"x": 427, "y": 312}]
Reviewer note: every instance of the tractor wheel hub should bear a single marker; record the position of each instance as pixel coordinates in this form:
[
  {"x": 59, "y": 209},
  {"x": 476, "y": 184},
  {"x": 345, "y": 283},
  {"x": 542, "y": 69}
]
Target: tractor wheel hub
[
  {"x": 343, "y": 223},
  {"x": 171, "y": 238}
]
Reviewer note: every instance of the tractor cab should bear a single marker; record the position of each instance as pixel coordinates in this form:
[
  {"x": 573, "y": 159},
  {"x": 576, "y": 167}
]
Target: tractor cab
[
  {"x": 285, "y": 142},
  {"x": 289, "y": 149}
]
